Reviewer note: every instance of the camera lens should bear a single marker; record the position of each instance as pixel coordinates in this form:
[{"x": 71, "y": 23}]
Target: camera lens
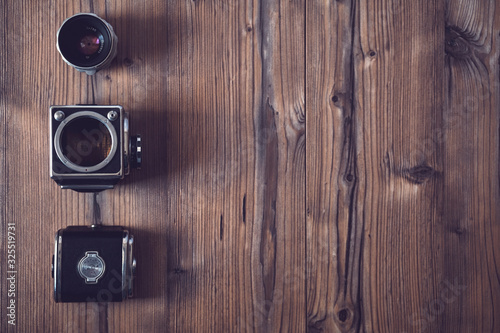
[
  {"x": 87, "y": 42},
  {"x": 86, "y": 142}
]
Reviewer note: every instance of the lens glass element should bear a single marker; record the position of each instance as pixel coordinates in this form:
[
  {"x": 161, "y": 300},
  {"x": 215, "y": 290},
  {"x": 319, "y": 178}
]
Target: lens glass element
[
  {"x": 86, "y": 141},
  {"x": 89, "y": 44}
]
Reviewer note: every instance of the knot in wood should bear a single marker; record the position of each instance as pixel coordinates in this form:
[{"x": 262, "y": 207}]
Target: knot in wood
[
  {"x": 456, "y": 44},
  {"x": 419, "y": 174},
  {"x": 128, "y": 62},
  {"x": 343, "y": 315},
  {"x": 179, "y": 271}
]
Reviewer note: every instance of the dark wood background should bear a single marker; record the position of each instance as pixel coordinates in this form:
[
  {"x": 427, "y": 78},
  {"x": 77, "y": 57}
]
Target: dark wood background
[{"x": 308, "y": 165}]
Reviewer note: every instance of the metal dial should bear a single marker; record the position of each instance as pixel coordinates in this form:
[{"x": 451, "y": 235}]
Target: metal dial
[{"x": 91, "y": 267}]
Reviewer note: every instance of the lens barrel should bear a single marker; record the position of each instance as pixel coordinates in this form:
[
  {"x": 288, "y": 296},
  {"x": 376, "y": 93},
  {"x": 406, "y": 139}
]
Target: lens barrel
[{"x": 87, "y": 42}]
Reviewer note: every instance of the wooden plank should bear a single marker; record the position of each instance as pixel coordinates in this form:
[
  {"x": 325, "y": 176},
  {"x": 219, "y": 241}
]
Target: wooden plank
[
  {"x": 278, "y": 243},
  {"x": 401, "y": 86},
  {"x": 333, "y": 178},
  {"x": 387, "y": 252},
  {"x": 471, "y": 204}
]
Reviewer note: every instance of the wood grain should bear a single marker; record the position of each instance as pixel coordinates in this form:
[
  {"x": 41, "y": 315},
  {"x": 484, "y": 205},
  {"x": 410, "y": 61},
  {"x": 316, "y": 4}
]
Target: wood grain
[
  {"x": 333, "y": 227},
  {"x": 401, "y": 221},
  {"x": 470, "y": 206},
  {"x": 308, "y": 165}
]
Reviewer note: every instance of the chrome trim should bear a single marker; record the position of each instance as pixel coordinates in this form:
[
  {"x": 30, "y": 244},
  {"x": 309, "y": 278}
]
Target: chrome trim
[
  {"x": 126, "y": 144},
  {"x": 124, "y": 263},
  {"x": 87, "y": 175},
  {"x": 131, "y": 267},
  {"x": 128, "y": 265},
  {"x": 57, "y": 262},
  {"x": 87, "y": 187},
  {"x": 51, "y": 142}
]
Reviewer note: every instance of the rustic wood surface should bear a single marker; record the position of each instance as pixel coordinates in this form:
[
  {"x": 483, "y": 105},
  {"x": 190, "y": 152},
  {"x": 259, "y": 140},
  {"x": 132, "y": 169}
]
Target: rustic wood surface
[{"x": 308, "y": 165}]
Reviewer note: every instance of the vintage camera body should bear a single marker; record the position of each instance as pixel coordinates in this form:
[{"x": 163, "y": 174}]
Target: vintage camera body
[
  {"x": 93, "y": 264},
  {"x": 91, "y": 147}
]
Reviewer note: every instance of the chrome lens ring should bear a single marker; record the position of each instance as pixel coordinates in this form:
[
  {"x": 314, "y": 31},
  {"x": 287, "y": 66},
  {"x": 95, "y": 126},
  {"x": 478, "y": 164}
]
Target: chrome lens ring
[{"x": 58, "y": 141}]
